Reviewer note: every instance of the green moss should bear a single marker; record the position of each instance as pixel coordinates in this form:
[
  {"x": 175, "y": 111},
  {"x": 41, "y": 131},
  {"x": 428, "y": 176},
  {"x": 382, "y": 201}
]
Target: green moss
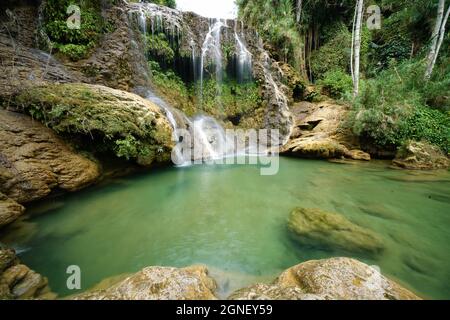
[
  {"x": 158, "y": 48},
  {"x": 100, "y": 118}
]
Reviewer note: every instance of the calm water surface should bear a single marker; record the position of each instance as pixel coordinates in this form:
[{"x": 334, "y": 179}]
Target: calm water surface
[{"x": 233, "y": 220}]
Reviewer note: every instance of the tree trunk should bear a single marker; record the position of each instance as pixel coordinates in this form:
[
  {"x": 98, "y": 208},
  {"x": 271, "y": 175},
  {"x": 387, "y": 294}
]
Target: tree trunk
[
  {"x": 441, "y": 38},
  {"x": 434, "y": 40},
  {"x": 357, "y": 42},
  {"x": 299, "y": 10}
]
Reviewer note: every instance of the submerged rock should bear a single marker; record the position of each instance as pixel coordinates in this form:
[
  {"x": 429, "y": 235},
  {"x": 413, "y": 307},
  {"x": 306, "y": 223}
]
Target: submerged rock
[
  {"x": 159, "y": 283},
  {"x": 331, "y": 230},
  {"x": 331, "y": 279},
  {"x": 416, "y": 155},
  {"x": 34, "y": 161}
]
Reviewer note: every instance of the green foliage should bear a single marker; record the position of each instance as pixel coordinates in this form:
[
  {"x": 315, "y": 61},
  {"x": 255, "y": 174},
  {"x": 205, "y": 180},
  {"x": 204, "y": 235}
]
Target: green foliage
[
  {"x": 167, "y": 3},
  {"x": 276, "y": 24},
  {"x": 158, "y": 48},
  {"x": 130, "y": 148},
  {"x": 336, "y": 83},
  {"x": 74, "y": 51},
  {"x": 392, "y": 108},
  {"x": 233, "y": 99},
  {"x": 75, "y": 43},
  {"x": 336, "y": 53}
]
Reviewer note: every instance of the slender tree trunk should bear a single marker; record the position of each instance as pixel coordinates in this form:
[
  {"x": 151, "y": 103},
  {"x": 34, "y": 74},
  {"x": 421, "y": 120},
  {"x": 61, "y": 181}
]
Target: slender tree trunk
[
  {"x": 299, "y": 10},
  {"x": 441, "y": 38},
  {"x": 434, "y": 40},
  {"x": 357, "y": 42}
]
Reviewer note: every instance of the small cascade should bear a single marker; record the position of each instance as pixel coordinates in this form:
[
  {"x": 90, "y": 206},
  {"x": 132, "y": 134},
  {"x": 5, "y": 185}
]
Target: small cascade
[
  {"x": 244, "y": 58},
  {"x": 212, "y": 48},
  {"x": 169, "y": 111}
]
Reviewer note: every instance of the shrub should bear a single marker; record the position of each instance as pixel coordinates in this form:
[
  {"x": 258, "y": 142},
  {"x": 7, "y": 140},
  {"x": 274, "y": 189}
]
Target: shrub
[
  {"x": 393, "y": 108},
  {"x": 75, "y": 43},
  {"x": 336, "y": 83}
]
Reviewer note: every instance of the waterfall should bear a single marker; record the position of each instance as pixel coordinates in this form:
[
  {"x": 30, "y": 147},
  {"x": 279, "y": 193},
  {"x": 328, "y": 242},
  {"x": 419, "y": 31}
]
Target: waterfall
[
  {"x": 212, "y": 44},
  {"x": 208, "y": 140},
  {"x": 244, "y": 60}
]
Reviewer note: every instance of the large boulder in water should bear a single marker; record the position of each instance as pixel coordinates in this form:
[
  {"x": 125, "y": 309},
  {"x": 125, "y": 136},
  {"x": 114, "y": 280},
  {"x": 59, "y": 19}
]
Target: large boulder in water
[
  {"x": 331, "y": 231},
  {"x": 330, "y": 279},
  {"x": 159, "y": 283},
  {"x": 35, "y": 161},
  {"x": 101, "y": 118},
  {"x": 416, "y": 155}
]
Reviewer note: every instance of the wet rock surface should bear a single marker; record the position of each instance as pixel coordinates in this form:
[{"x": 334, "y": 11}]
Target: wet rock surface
[
  {"x": 330, "y": 230},
  {"x": 17, "y": 281},
  {"x": 331, "y": 279},
  {"x": 159, "y": 283},
  {"x": 415, "y": 155}
]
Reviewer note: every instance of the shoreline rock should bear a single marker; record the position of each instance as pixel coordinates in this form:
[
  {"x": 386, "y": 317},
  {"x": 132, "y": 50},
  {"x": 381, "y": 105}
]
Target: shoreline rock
[
  {"x": 330, "y": 279},
  {"x": 35, "y": 161},
  {"x": 17, "y": 281},
  {"x": 159, "y": 283},
  {"x": 414, "y": 155}
]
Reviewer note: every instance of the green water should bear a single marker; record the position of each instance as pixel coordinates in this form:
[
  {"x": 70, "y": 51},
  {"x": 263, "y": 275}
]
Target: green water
[{"x": 234, "y": 220}]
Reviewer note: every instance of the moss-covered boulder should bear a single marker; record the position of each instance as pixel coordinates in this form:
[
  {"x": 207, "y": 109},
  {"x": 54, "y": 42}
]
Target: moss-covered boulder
[
  {"x": 99, "y": 118},
  {"x": 416, "y": 155},
  {"x": 330, "y": 230}
]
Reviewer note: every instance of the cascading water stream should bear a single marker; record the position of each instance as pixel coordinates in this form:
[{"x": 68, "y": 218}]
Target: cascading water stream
[
  {"x": 244, "y": 59},
  {"x": 212, "y": 44}
]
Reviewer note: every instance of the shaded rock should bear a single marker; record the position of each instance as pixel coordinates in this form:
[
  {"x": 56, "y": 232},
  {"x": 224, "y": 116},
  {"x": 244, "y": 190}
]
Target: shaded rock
[
  {"x": 331, "y": 230},
  {"x": 9, "y": 210},
  {"x": 24, "y": 67},
  {"x": 34, "y": 161},
  {"x": 117, "y": 121},
  {"x": 415, "y": 155},
  {"x": 262, "y": 291},
  {"x": 17, "y": 281},
  {"x": 330, "y": 279},
  {"x": 7, "y": 258},
  {"x": 159, "y": 283},
  {"x": 29, "y": 286},
  {"x": 358, "y": 155}
]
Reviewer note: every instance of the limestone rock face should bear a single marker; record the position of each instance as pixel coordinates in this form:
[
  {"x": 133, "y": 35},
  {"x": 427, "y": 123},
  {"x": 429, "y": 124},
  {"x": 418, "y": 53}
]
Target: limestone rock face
[
  {"x": 9, "y": 210},
  {"x": 33, "y": 161},
  {"x": 17, "y": 281},
  {"x": 416, "y": 155},
  {"x": 331, "y": 230},
  {"x": 159, "y": 283},
  {"x": 317, "y": 133},
  {"x": 23, "y": 67},
  {"x": 331, "y": 279}
]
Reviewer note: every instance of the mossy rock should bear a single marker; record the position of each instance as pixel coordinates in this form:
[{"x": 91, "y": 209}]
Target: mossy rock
[
  {"x": 103, "y": 119},
  {"x": 330, "y": 230}
]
